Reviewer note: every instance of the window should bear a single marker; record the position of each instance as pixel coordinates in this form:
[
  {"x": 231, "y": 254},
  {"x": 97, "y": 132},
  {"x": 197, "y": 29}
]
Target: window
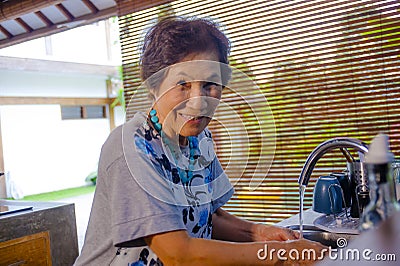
[
  {"x": 71, "y": 112},
  {"x": 83, "y": 112},
  {"x": 326, "y": 68},
  {"x": 95, "y": 111}
]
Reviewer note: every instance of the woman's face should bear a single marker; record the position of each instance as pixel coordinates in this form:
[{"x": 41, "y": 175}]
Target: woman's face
[{"x": 189, "y": 94}]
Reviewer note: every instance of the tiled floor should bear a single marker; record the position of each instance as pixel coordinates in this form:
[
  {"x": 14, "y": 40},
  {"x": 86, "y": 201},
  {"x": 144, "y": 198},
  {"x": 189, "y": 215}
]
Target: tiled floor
[{"x": 83, "y": 205}]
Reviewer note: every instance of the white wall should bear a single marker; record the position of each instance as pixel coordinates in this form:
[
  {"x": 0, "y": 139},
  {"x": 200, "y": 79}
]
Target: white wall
[
  {"x": 44, "y": 153},
  {"x": 41, "y": 151}
]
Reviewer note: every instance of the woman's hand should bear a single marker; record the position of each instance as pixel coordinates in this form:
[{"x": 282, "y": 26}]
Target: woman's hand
[
  {"x": 263, "y": 232},
  {"x": 301, "y": 252},
  {"x": 231, "y": 228}
]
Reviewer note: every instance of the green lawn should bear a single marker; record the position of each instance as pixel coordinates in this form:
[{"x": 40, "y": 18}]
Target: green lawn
[{"x": 61, "y": 194}]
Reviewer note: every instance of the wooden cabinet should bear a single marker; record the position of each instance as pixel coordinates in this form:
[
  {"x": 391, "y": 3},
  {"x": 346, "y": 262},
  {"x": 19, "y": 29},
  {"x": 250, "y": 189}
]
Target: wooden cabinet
[
  {"x": 44, "y": 235},
  {"x": 28, "y": 250}
]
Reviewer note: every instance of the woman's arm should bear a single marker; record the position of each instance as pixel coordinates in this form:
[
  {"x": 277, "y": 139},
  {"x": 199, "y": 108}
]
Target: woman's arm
[
  {"x": 177, "y": 248},
  {"x": 229, "y": 227}
]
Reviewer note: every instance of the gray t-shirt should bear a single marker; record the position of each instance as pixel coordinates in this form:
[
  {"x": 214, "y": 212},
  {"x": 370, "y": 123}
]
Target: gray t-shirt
[{"x": 141, "y": 191}]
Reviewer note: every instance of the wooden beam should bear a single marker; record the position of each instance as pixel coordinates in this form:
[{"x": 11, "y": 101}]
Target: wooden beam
[
  {"x": 91, "y": 6},
  {"x": 65, "y": 12},
  {"x": 16, "y": 8},
  {"x": 6, "y": 100},
  {"x": 128, "y": 6},
  {"x": 3, "y": 191},
  {"x": 44, "y": 19},
  {"x": 60, "y": 27},
  {"x": 5, "y": 32},
  {"x": 109, "y": 108},
  {"x": 23, "y": 24}
]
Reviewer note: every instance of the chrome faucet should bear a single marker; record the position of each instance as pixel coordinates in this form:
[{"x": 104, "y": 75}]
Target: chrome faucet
[{"x": 320, "y": 150}]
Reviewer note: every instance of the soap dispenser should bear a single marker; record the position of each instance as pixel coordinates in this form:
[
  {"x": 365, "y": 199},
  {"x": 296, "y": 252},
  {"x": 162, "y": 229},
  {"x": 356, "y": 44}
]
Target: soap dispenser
[{"x": 383, "y": 202}]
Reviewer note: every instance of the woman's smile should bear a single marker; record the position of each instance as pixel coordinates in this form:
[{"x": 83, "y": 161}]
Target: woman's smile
[{"x": 191, "y": 117}]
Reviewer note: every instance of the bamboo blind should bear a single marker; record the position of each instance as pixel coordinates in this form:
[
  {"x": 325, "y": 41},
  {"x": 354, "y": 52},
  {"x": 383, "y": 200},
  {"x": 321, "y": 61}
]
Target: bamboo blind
[{"x": 326, "y": 69}]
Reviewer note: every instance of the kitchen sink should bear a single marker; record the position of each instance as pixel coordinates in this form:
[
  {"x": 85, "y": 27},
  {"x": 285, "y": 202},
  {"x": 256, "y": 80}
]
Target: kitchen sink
[{"x": 326, "y": 238}]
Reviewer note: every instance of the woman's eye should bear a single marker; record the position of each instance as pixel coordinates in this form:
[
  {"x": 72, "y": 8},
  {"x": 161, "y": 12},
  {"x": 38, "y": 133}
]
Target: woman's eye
[
  {"x": 183, "y": 84},
  {"x": 212, "y": 86}
]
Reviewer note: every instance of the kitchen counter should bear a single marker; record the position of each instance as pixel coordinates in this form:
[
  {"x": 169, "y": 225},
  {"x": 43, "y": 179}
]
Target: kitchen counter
[
  {"x": 383, "y": 241},
  {"x": 55, "y": 219},
  {"x": 308, "y": 218}
]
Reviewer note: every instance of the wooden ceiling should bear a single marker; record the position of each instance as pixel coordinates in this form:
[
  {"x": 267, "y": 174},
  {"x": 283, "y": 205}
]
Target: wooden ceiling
[{"x": 24, "y": 20}]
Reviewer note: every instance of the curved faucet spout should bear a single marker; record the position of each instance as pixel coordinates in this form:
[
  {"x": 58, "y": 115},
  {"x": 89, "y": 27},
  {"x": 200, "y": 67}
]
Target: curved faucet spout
[{"x": 323, "y": 148}]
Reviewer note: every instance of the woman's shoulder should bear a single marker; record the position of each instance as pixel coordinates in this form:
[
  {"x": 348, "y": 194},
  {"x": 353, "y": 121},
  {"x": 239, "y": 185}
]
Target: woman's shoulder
[
  {"x": 114, "y": 144},
  {"x": 130, "y": 126}
]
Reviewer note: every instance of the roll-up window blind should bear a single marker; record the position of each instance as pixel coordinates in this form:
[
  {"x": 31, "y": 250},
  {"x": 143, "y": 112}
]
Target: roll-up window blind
[{"x": 326, "y": 68}]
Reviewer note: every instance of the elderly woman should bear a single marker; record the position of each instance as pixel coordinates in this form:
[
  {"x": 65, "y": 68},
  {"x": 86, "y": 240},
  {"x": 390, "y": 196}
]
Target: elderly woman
[{"x": 160, "y": 187}]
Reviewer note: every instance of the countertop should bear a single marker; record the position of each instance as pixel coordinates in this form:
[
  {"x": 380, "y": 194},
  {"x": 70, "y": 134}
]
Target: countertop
[
  {"x": 37, "y": 207},
  {"x": 382, "y": 242},
  {"x": 308, "y": 218},
  {"x": 373, "y": 245}
]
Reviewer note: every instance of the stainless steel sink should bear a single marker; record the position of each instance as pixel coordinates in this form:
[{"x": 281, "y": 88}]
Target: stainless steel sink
[{"x": 326, "y": 238}]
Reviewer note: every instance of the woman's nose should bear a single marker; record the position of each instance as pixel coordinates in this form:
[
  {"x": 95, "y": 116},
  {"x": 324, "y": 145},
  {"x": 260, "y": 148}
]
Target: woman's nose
[{"x": 197, "y": 99}]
